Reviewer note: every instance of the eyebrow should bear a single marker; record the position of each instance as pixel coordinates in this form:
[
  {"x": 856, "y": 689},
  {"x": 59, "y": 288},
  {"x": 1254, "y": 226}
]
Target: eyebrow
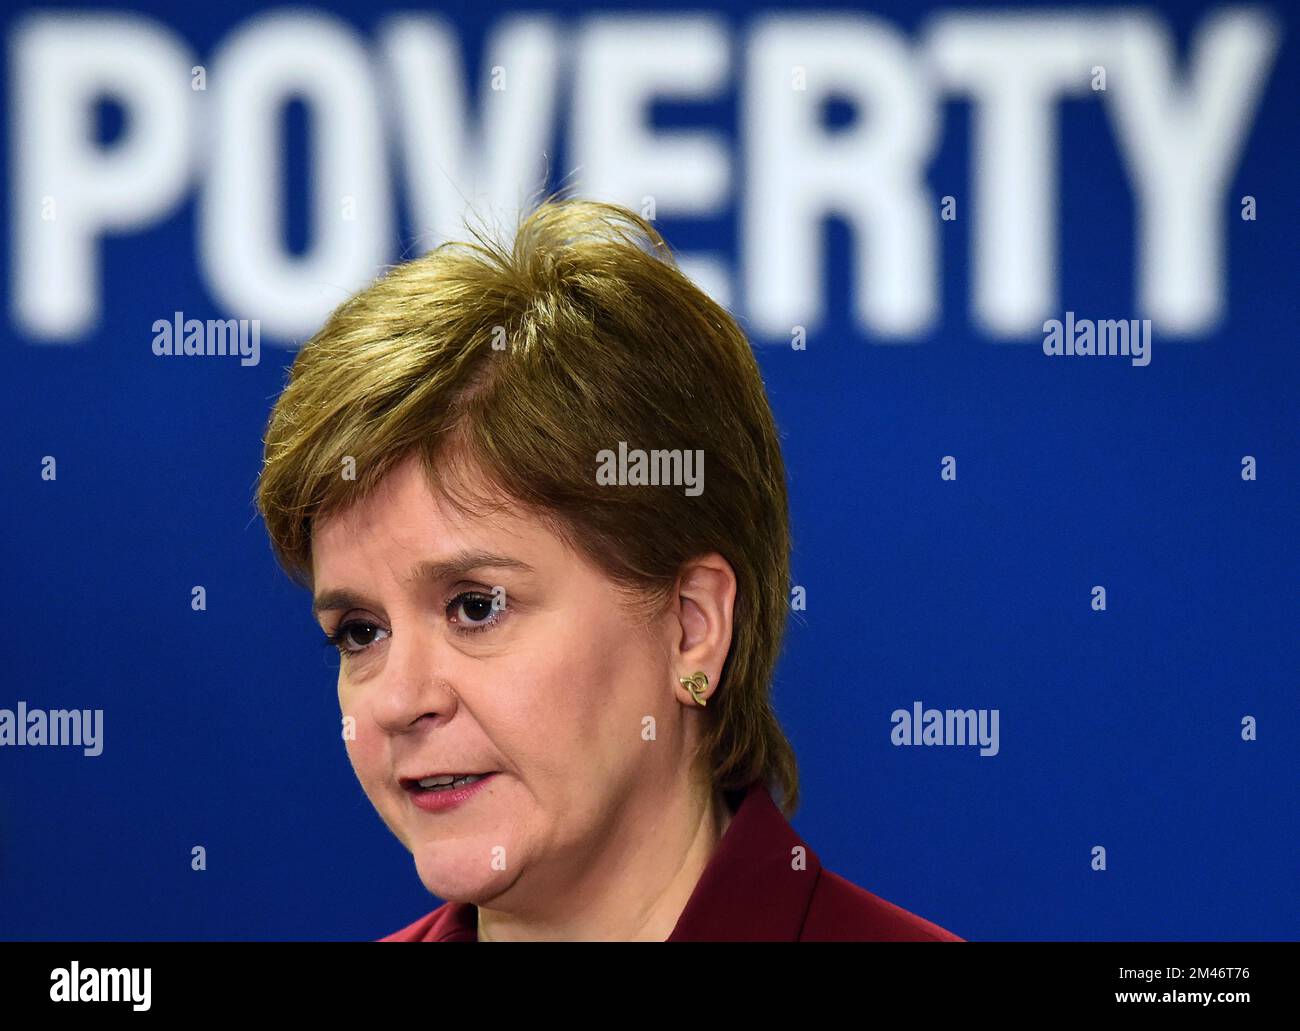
[{"x": 429, "y": 570}]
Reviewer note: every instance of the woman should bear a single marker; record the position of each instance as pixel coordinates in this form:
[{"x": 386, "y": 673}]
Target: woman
[{"x": 537, "y": 493}]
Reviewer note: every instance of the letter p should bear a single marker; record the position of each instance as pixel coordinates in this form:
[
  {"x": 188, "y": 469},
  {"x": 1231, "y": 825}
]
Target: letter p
[{"x": 68, "y": 189}]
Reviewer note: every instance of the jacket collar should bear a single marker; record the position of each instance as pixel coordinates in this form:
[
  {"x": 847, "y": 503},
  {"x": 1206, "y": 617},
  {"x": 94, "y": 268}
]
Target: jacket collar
[
  {"x": 759, "y": 881},
  {"x": 757, "y": 885}
]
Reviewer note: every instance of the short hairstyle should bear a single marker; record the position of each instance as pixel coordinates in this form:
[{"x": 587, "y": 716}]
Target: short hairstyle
[{"x": 521, "y": 362}]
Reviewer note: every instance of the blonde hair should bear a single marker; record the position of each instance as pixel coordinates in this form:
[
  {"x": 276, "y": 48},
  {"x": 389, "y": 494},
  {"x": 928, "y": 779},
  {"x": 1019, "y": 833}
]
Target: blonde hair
[{"x": 521, "y": 362}]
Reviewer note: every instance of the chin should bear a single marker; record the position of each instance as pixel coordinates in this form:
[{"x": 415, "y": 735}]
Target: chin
[{"x": 460, "y": 871}]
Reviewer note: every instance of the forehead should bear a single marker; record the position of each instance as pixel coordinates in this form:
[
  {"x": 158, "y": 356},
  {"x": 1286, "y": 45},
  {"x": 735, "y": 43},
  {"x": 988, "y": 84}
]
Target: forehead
[{"x": 405, "y": 517}]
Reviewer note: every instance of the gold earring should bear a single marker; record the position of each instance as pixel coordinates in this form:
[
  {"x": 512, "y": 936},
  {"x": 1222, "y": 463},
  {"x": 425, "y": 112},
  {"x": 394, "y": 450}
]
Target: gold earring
[{"x": 696, "y": 684}]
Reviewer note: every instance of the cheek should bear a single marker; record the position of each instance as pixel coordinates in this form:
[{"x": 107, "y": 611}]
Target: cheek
[
  {"x": 585, "y": 697},
  {"x": 361, "y": 737}
]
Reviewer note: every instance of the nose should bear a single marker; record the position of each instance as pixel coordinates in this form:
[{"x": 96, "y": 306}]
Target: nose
[{"x": 412, "y": 684}]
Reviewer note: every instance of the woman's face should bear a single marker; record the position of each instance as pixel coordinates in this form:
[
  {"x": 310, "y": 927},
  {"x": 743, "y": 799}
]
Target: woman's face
[{"x": 552, "y": 691}]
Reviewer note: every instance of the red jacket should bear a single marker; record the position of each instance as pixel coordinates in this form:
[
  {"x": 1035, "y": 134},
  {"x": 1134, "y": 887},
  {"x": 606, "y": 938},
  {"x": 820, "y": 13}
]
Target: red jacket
[{"x": 748, "y": 892}]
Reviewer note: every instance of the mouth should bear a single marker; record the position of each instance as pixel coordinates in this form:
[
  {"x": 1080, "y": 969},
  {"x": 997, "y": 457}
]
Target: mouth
[{"x": 439, "y": 782}]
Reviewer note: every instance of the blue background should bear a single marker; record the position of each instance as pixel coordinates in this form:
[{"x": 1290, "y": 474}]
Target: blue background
[{"x": 1119, "y": 728}]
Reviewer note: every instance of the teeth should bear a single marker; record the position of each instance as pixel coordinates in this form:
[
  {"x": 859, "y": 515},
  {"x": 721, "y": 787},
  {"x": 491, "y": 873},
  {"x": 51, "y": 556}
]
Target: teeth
[
  {"x": 429, "y": 782},
  {"x": 449, "y": 780}
]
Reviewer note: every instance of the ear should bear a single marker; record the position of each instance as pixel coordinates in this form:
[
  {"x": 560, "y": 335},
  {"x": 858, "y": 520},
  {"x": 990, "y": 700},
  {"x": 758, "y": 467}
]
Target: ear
[{"x": 704, "y": 604}]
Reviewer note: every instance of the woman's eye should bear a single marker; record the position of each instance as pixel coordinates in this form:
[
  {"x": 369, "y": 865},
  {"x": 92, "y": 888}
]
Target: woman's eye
[
  {"x": 351, "y": 638},
  {"x": 474, "y": 611}
]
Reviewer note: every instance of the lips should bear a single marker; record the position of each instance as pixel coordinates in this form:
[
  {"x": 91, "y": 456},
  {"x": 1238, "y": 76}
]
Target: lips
[{"x": 413, "y": 783}]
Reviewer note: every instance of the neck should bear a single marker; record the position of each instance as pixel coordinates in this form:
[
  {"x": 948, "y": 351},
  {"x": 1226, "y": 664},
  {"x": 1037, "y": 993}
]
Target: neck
[{"x": 635, "y": 887}]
